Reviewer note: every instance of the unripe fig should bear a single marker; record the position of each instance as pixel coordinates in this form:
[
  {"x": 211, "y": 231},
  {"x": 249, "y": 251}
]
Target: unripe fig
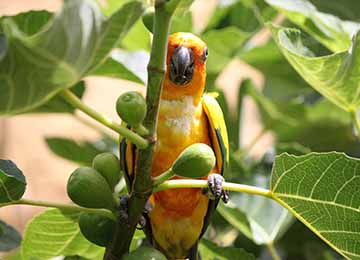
[
  {"x": 88, "y": 188},
  {"x": 145, "y": 253},
  {"x": 97, "y": 229},
  {"x": 108, "y": 165},
  {"x": 195, "y": 161},
  {"x": 131, "y": 107}
]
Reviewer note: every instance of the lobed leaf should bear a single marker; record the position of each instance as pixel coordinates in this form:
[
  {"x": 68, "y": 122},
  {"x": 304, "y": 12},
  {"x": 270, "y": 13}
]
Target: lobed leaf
[
  {"x": 322, "y": 190},
  {"x": 72, "y": 44},
  {"x": 56, "y": 233},
  {"x": 334, "y": 76}
]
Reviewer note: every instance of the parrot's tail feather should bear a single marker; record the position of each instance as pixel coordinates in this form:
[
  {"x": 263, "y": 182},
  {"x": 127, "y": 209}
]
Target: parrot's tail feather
[{"x": 194, "y": 252}]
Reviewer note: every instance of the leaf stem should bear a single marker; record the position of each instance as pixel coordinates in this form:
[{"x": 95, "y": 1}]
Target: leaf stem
[
  {"x": 189, "y": 183},
  {"x": 274, "y": 254},
  {"x": 101, "y": 212},
  {"x": 356, "y": 122},
  {"x": 72, "y": 99},
  {"x": 163, "y": 177}
]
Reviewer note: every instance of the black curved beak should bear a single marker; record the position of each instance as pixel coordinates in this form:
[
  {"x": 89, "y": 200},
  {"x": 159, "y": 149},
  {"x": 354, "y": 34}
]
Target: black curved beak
[{"x": 182, "y": 65}]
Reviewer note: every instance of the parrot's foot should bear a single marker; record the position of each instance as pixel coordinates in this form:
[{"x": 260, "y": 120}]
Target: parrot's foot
[
  {"x": 215, "y": 186},
  {"x": 143, "y": 219},
  {"x": 123, "y": 209}
]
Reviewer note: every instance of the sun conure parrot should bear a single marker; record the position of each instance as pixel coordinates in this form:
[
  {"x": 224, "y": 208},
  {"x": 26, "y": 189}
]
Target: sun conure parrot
[{"x": 179, "y": 217}]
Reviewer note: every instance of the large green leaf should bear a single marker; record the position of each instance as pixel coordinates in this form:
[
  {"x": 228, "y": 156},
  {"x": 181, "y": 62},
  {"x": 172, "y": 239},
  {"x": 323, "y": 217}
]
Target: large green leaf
[
  {"x": 322, "y": 190},
  {"x": 327, "y": 29},
  {"x": 116, "y": 69},
  {"x": 69, "y": 47},
  {"x": 210, "y": 251},
  {"x": 55, "y": 233},
  {"x": 223, "y": 44},
  {"x": 12, "y": 182},
  {"x": 334, "y": 76},
  {"x": 345, "y": 9},
  {"x": 247, "y": 16},
  {"x": 58, "y": 105},
  {"x": 82, "y": 152},
  {"x": 9, "y": 237}
]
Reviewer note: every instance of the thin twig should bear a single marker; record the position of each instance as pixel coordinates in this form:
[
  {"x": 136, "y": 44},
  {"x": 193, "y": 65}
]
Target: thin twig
[
  {"x": 101, "y": 212},
  {"x": 136, "y": 139}
]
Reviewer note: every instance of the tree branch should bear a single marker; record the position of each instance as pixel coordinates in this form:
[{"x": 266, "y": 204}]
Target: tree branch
[{"x": 142, "y": 184}]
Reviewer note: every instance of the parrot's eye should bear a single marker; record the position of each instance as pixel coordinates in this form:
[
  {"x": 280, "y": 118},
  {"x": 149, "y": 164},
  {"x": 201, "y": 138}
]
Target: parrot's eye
[{"x": 204, "y": 55}]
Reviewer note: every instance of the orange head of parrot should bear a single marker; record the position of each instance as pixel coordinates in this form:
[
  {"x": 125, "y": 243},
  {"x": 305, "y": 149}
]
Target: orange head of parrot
[{"x": 185, "y": 67}]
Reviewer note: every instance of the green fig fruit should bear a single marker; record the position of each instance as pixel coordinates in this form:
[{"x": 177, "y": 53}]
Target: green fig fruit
[
  {"x": 196, "y": 161},
  {"x": 88, "y": 188},
  {"x": 145, "y": 253},
  {"x": 108, "y": 165},
  {"x": 97, "y": 229},
  {"x": 131, "y": 107}
]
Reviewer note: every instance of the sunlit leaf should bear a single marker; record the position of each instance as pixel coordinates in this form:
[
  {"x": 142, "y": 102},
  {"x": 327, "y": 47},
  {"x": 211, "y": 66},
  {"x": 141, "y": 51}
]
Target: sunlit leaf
[
  {"x": 322, "y": 190},
  {"x": 334, "y": 76},
  {"x": 327, "y": 29},
  {"x": 69, "y": 47},
  {"x": 55, "y": 233}
]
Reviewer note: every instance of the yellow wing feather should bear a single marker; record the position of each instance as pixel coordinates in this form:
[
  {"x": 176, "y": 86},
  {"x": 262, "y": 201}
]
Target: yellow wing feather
[{"x": 218, "y": 132}]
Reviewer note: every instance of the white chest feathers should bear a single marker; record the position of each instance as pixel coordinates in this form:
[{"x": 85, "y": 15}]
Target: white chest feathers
[{"x": 180, "y": 115}]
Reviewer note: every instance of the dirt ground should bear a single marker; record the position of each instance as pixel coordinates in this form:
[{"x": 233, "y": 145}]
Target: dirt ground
[{"x": 22, "y": 137}]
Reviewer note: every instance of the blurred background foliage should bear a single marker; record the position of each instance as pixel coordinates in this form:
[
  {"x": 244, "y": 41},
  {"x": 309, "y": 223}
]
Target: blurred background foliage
[{"x": 297, "y": 116}]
